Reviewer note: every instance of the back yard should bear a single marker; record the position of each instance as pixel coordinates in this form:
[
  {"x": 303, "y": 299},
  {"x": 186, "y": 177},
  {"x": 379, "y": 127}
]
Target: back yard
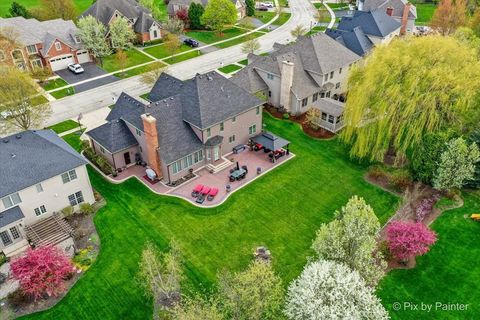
[{"x": 281, "y": 210}]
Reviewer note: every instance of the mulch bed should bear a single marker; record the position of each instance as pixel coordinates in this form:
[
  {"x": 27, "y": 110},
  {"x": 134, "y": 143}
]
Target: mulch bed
[{"x": 319, "y": 133}]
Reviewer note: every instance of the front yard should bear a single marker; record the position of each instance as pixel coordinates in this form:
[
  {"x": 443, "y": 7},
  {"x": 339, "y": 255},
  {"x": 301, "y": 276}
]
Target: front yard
[
  {"x": 134, "y": 57},
  {"x": 161, "y": 51},
  {"x": 281, "y": 210},
  {"x": 208, "y": 37}
]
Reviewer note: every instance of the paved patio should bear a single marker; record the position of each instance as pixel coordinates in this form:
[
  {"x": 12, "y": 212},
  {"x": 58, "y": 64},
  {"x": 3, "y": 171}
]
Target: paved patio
[{"x": 220, "y": 180}]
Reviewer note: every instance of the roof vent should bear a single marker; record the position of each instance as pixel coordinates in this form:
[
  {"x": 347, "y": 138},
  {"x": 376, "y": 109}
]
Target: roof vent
[
  {"x": 13, "y": 155},
  {"x": 5, "y": 140},
  {"x": 164, "y": 100},
  {"x": 209, "y": 78},
  {"x": 18, "y": 136},
  {"x": 171, "y": 98}
]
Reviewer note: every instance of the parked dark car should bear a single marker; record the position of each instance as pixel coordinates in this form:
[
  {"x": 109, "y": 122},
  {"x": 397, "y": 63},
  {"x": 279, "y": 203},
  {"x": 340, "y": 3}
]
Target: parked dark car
[
  {"x": 262, "y": 8},
  {"x": 191, "y": 42}
]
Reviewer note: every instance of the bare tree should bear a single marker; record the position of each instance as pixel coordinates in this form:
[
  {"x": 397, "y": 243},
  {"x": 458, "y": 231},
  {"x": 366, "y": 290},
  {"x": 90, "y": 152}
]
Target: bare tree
[
  {"x": 8, "y": 43},
  {"x": 151, "y": 76},
  {"x": 299, "y": 30},
  {"x": 251, "y": 45}
]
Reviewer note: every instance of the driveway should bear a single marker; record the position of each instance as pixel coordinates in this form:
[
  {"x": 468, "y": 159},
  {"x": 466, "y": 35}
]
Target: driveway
[{"x": 91, "y": 71}]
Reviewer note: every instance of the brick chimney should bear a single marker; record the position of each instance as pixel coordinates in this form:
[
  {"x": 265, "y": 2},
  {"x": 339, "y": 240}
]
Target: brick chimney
[
  {"x": 286, "y": 81},
  {"x": 151, "y": 142},
  {"x": 390, "y": 11},
  {"x": 406, "y": 11}
]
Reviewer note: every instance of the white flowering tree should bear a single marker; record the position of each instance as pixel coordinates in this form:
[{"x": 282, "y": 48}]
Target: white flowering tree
[
  {"x": 121, "y": 34},
  {"x": 457, "y": 165},
  {"x": 330, "y": 290},
  {"x": 351, "y": 239},
  {"x": 92, "y": 33}
]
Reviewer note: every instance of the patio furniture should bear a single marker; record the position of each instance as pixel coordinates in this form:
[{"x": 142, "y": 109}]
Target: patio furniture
[
  {"x": 200, "y": 199},
  {"x": 257, "y": 147},
  {"x": 259, "y": 170},
  {"x": 152, "y": 176},
  {"x": 213, "y": 192},
  {"x": 197, "y": 190},
  {"x": 205, "y": 190},
  {"x": 245, "y": 168},
  {"x": 228, "y": 188},
  {"x": 239, "y": 148},
  {"x": 475, "y": 216},
  {"x": 238, "y": 174}
]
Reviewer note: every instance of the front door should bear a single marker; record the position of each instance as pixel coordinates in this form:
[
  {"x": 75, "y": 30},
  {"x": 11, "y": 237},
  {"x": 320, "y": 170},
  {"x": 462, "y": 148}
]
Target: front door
[
  {"x": 126, "y": 156},
  {"x": 216, "y": 153}
]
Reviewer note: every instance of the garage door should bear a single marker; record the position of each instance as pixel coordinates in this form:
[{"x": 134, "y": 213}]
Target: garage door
[
  {"x": 83, "y": 56},
  {"x": 61, "y": 62}
]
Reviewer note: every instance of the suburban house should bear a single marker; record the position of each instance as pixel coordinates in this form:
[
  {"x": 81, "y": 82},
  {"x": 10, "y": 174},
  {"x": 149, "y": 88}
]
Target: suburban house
[
  {"x": 140, "y": 18},
  {"x": 52, "y": 44},
  {"x": 297, "y": 76},
  {"x": 176, "y": 5},
  {"x": 364, "y": 30},
  {"x": 401, "y": 10},
  {"x": 188, "y": 125},
  {"x": 41, "y": 174}
]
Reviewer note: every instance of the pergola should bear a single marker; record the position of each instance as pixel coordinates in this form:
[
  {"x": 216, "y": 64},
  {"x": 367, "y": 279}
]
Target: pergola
[{"x": 271, "y": 142}]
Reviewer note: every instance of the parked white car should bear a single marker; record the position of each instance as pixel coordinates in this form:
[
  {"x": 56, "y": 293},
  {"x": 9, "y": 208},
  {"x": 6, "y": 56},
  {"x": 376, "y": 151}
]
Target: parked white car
[
  {"x": 268, "y": 4},
  {"x": 75, "y": 68}
]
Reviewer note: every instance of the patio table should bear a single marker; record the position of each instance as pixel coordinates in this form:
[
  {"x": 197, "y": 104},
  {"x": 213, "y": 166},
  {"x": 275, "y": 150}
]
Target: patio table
[{"x": 237, "y": 173}]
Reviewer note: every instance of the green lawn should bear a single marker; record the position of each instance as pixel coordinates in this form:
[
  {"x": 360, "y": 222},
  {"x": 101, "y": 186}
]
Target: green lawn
[
  {"x": 244, "y": 62},
  {"x": 449, "y": 273},
  {"x": 64, "y": 126},
  {"x": 281, "y": 210},
  {"x": 230, "y": 68},
  {"x": 337, "y": 6},
  {"x": 160, "y": 51},
  {"x": 183, "y": 57},
  {"x": 424, "y": 13},
  {"x": 81, "y": 5},
  {"x": 266, "y": 16},
  {"x": 54, "y": 84},
  {"x": 137, "y": 71},
  {"x": 63, "y": 93},
  {"x": 316, "y": 30},
  {"x": 73, "y": 139},
  {"x": 135, "y": 57},
  {"x": 212, "y": 36}
]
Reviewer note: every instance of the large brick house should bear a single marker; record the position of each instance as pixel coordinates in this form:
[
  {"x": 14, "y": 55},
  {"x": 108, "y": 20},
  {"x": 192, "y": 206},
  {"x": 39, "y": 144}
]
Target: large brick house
[
  {"x": 52, "y": 44},
  {"x": 188, "y": 125},
  {"x": 140, "y": 18}
]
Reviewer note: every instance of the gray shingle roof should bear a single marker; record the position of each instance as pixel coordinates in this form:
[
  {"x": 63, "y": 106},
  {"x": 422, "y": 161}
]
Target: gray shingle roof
[
  {"x": 32, "y": 31},
  {"x": 124, "y": 105},
  {"x": 114, "y": 136},
  {"x": 330, "y": 106},
  {"x": 248, "y": 78},
  {"x": 355, "y": 40},
  {"x": 397, "y": 5},
  {"x": 32, "y": 158},
  {"x": 376, "y": 23},
  {"x": 10, "y": 215},
  {"x": 103, "y": 11}
]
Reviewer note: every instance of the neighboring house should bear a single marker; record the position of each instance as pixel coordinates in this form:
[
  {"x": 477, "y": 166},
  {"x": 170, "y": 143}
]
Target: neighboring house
[
  {"x": 296, "y": 76},
  {"x": 176, "y": 5},
  {"x": 140, "y": 18},
  {"x": 40, "y": 175},
  {"x": 188, "y": 125},
  {"x": 364, "y": 30},
  {"x": 52, "y": 44},
  {"x": 401, "y": 10}
]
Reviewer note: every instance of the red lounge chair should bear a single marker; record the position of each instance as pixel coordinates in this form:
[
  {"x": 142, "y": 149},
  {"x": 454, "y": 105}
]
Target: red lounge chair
[
  {"x": 197, "y": 190},
  {"x": 205, "y": 190},
  {"x": 213, "y": 192}
]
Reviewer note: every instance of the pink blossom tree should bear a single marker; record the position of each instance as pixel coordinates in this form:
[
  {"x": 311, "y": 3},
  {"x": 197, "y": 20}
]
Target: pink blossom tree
[
  {"x": 42, "y": 271},
  {"x": 409, "y": 239}
]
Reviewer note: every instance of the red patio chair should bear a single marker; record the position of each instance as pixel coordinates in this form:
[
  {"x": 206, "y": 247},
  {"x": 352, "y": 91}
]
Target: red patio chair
[
  {"x": 205, "y": 190},
  {"x": 197, "y": 190},
  {"x": 213, "y": 192}
]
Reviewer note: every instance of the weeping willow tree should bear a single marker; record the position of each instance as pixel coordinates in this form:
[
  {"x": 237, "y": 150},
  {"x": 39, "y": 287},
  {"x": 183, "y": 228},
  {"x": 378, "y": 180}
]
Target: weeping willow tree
[{"x": 407, "y": 89}]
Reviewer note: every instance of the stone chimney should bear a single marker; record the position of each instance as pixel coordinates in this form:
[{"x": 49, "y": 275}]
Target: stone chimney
[
  {"x": 286, "y": 81},
  {"x": 151, "y": 142},
  {"x": 406, "y": 11},
  {"x": 360, "y": 5},
  {"x": 390, "y": 11}
]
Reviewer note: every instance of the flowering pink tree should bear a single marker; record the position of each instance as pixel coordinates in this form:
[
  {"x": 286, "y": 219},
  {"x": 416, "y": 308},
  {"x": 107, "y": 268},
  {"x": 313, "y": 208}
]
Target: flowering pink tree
[
  {"x": 409, "y": 239},
  {"x": 42, "y": 271}
]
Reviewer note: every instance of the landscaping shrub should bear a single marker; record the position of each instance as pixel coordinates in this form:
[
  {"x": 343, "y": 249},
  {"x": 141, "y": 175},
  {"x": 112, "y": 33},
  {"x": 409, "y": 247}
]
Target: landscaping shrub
[
  {"x": 67, "y": 211},
  {"x": 18, "y": 298},
  {"x": 97, "y": 160},
  {"x": 400, "y": 180},
  {"x": 86, "y": 208},
  {"x": 286, "y": 116},
  {"x": 84, "y": 258},
  {"x": 3, "y": 258},
  {"x": 425, "y": 207},
  {"x": 3, "y": 277},
  {"x": 376, "y": 172}
]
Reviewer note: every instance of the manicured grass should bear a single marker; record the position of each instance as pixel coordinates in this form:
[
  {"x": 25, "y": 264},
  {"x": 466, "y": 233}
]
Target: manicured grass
[
  {"x": 337, "y": 6},
  {"x": 183, "y": 57},
  {"x": 266, "y": 16},
  {"x": 244, "y": 62},
  {"x": 64, "y": 126},
  {"x": 239, "y": 40},
  {"x": 230, "y": 68},
  {"x": 145, "y": 96},
  {"x": 81, "y": 5},
  {"x": 73, "y": 139},
  {"x": 446, "y": 274},
  {"x": 281, "y": 210},
  {"x": 424, "y": 13},
  {"x": 53, "y": 84},
  {"x": 63, "y": 93},
  {"x": 137, "y": 71},
  {"x": 316, "y": 30},
  {"x": 161, "y": 51},
  {"x": 135, "y": 57},
  {"x": 212, "y": 36}
]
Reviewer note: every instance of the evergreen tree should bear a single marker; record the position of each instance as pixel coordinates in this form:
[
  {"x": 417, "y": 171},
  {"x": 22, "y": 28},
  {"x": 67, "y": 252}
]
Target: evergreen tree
[
  {"x": 195, "y": 12},
  {"x": 250, "y": 4},
  {"x": 18, "y": 10}
]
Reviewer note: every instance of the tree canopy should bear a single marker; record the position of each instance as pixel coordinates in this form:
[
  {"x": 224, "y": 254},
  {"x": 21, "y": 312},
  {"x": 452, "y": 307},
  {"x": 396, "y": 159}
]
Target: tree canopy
[
  {"x": 121, "y": 33},
  {"x": 92, "y": 33},
  {"x": 407, "y": 89},
  {"x": 219, "y": 14},
  {"x": 449, "y": 15},
  {"x": 18, "y": 10},
  {"x": 195, "y": 12}
]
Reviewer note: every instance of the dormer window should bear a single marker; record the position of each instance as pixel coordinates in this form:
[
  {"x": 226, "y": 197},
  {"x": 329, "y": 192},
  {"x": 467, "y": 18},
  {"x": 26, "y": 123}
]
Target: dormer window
[
  {"x": 32, "y": 49},
  {"x": 58, "y": 46},
  {"x": 77, "y": 39}
]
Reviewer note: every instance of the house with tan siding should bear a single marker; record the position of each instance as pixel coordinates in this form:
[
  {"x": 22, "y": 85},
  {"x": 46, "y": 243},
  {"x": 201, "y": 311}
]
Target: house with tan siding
[{"x": 187, "y": 126}]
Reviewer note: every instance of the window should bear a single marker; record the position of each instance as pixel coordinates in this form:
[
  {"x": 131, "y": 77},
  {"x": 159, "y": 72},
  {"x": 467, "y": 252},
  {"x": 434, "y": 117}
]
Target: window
[
  {"x": 17, "y": 55},
  {"x": 269, "y": 93},
  {"x": 155, "y": 34},
  {"x": 69, "y": 176},
  {"x": 234, "y": 119},
  {"x": 40, "y": 210},
  {"x": 315, "y": 97},
  {"x": 339, "y": 118},
  {"x": 187, "y": 161},
  {"x": 324, "y": 116},
  {"x": 269, "y": 76},
  {"x": 304, "y": 102},
  {"x": 257, "y": 111},
  {"x": 331, "y": 118},
  {"x": 58, "y": 46},
  {"x": 102, "y": 150},
  {"x": 14, "y": 232},
  {"x": 11, "y": 200},
  {"x": 221, "y": 126},
  {"x": 252, "y": 129},
  {"x": 32, "y": 49},
  {"x": 326, "y": 77},
  {"x": 340, "y": 71},
  {"x": 331, "y": 74},
  {"x": 198, "y": 156},
  {"x": 337, "y": 85},
  {"x": 37, "y": 63},
  {"x": 39, "y": 187},
  {"x": 5, "y": 238},
  {"x": 209, "y": 132},
  {"x": 77, "y": 39},
  {"x": 138, "y": 132},
  {"x": 231, "y": 139},
  {"x": 322, "y": 94},
  {"x": 328, "y": 94},
  {"x": 2, "y": 55},
  {"x": 140, "y": 148},
  {"x": 75, "y": 198}
]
